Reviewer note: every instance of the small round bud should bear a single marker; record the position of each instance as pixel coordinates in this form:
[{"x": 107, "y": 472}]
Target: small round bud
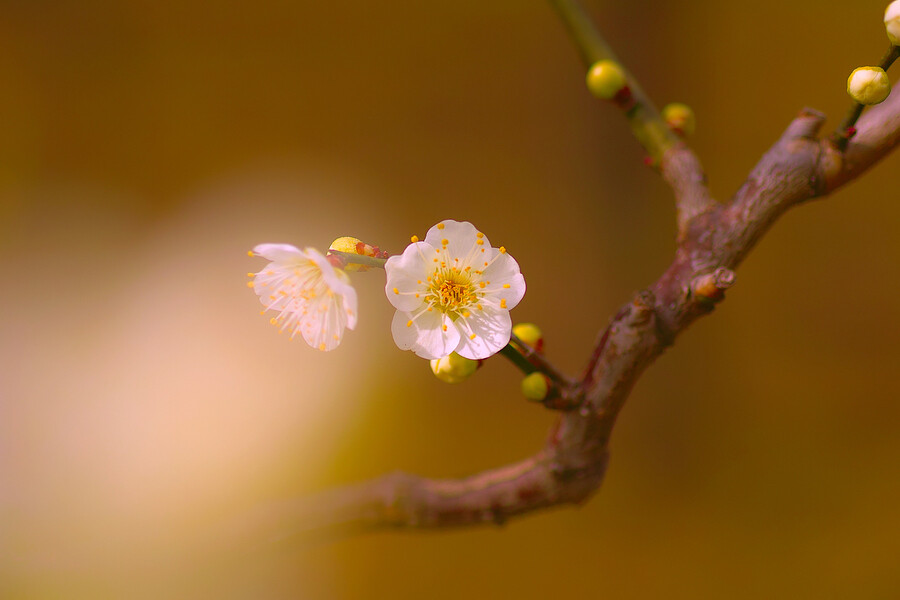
[
  {"x": 535, "y": 386},
  {"x": 680, "y": 118},
  {"x": 605, "y": 79},
  {"x": 892, "y": 22},
  {"x": 868, "y": 85},
  {"x": 530, "y": 334},
  {"x": 352, "y": 245},
  {"x": 453, "y": 368}
]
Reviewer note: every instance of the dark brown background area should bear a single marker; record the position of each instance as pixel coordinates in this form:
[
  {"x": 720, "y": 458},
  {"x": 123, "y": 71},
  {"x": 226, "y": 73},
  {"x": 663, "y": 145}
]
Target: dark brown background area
[{"x": 143, "y": 401}]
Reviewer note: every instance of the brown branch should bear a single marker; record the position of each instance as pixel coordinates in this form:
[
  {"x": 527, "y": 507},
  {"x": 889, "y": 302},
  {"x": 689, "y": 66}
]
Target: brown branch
[{"x": 570, "y": 468}]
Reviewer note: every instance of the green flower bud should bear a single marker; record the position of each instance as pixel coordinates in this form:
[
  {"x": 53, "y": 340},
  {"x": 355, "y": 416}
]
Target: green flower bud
[
  {"x": 605, "y": 79},
  {"x": 868, "y": 85},
  {"x": 530, "y": 334},
  {"x": 453, "y": 368},
  {"x": 535, "y": 386},
  {"x": 892, "y": 22},
  {"x": 680, "y": 118}
]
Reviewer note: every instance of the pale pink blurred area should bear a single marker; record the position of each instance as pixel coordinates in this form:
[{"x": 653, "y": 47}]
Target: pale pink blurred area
[{"x": 145, "y": 401}]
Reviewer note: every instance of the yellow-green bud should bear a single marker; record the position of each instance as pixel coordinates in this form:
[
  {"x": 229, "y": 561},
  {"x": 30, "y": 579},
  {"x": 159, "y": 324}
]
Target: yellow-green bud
[
  {"x": 530, "y": 334},
  {"x": 680, "y": 118},
  {"x": 453, "y": 368},
  {"x": 535, "y": 386},
  {"x": 605, "y": 79},
  {"x": 352, "y": 245},
  {"x": 868, "y": 85},
  {"x": 892, "y": 22}
]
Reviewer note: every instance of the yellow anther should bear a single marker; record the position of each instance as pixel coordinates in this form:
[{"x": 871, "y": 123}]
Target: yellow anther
[
  {"x": 396, "y": 291},
  {"x": 445, "y": 241},
  {"x": 249, "y": 284},
  {"x": 472, "y": 337},
  {"x": 250, "y": 253},
  {"x": 502, "y": 302},
  {"x": 506, "y": 285},
  {"x": 481, "y": 284},
  {"x": 409, "y": 323},
  {"x": 440, "y": 225},
  {"x": 322, "y": 347},
  {"x": 250, "y": 274},
  {"x": 273, "y": 321},
  {"x": 444, "y": 327},
  {"x": 502, "y": 250},
  {"x": 414, "y": 239},
  {"x": 479, "y": 242},
  {"x": 417, "y": 294},
  {"x": 480, "y": 235}
]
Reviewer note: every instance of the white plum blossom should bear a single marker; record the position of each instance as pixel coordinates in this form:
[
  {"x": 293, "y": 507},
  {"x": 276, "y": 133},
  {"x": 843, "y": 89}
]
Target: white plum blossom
[
  {"x": 453, "y": 293},
  {"x": 309, "y": 295}
]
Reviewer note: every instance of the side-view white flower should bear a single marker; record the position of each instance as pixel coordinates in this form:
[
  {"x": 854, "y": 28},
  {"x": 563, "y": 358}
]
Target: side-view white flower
[
  {"x": 453, "y": 293},
  {"x": 311, "y": 297}
]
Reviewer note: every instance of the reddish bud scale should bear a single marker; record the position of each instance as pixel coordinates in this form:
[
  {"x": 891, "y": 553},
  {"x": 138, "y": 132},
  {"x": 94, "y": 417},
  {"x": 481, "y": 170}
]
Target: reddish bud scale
[{"x": 624, "y": 99}]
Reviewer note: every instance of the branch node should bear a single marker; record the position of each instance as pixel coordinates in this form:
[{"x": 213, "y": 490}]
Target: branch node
[{"x": 806, "y": 125}]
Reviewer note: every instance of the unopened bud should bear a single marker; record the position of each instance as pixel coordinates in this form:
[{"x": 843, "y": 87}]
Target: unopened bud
[
  {"x": 868, "y": 85},
  {"x": 680, "y": 118},
  {"x": 892, "y": 22},
  {"x": 535, "y": 386},
  {"x": 352, "y": 245},
  {"x": 453, "y": 368},
  {"x": 605, "y": 79},
  {"x": 530, "y": 334}
]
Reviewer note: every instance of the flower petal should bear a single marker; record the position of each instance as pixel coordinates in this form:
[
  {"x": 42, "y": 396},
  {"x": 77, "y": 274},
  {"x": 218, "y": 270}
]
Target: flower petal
[
  {"x": 491, "y": 329},
  {"x": 279, "y": 252},
  {"x": 425, "y": 335},
  {"x": 460, "y": 235},
  {"x": 502, "y": 272},
  {"x": 339, "y": 284},
  {"x": 407, "y": 273}
]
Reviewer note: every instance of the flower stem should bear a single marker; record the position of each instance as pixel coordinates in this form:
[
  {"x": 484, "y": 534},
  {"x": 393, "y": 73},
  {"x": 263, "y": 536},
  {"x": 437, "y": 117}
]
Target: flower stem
[
  {"x": 348, "y": 258},
  {"x": 538, "y": 361},
  {"x": 517, "y": 358},
  {"x": 841, "y": 137},
  {"x": 646, "y": 123}
]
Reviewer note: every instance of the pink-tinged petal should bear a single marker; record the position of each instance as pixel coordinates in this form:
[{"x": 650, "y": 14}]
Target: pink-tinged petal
[
  {"x": 335, "y": 279},
  {"x": 279, "y": 252},
  {"x": 425, "y": 335},
  {"x": 324, "y": 327},
  {"x": 504, "y": 271},
  {"x": 461, "y": 239},
  {"x": 349, "y": 307},
  {"x": 491, "y": 331},
  {"x": 407, "y": 274}
]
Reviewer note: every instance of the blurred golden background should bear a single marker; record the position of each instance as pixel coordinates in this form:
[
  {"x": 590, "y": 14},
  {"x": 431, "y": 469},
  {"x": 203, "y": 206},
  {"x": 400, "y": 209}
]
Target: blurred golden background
[{"x": 143, "y": 401}]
